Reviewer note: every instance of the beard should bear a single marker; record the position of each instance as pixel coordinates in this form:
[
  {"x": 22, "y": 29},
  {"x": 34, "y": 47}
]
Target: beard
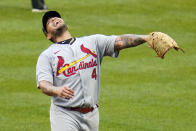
[{"x": 58, "y": 32}]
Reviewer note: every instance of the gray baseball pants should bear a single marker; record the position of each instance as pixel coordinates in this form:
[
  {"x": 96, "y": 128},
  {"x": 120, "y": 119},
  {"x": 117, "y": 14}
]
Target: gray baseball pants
[{"x": 63, "y": 119}]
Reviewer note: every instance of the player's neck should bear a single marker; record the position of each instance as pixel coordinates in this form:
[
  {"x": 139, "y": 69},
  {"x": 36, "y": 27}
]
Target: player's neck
[{"x": 66, "y": 35}]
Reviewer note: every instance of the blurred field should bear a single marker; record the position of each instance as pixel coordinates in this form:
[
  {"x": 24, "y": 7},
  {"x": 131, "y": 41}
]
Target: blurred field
[{"x": 139, "y": 92}]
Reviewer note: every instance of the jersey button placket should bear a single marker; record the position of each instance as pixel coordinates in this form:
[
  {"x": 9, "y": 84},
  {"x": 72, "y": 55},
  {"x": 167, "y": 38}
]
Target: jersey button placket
[{"x": 79, "y": 72}]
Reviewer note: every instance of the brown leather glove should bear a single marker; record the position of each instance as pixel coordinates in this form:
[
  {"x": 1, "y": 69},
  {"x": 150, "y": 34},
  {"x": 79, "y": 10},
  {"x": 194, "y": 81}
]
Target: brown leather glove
[{"x": 161, "y": 43}]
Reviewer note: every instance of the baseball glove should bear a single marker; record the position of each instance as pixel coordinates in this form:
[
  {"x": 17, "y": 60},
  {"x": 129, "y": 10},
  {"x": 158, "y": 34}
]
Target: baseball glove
[{"x": 161, "y": 43}]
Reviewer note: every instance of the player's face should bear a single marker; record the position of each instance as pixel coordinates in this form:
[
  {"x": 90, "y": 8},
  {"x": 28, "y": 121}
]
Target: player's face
[{"x": 53, "y": 24}]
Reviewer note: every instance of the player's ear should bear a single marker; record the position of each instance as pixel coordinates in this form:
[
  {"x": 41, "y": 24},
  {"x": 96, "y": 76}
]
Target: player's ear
[
  {"x": 66, "y": 27},
  {"x": 49, "y": 36}
]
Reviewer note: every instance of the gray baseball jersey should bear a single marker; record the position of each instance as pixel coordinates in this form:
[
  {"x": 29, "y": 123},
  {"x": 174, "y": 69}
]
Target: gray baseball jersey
[{"x": 77, "y": 66}]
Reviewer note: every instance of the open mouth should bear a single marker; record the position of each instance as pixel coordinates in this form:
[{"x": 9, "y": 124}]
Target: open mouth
[{"x": 56, "y": 23}]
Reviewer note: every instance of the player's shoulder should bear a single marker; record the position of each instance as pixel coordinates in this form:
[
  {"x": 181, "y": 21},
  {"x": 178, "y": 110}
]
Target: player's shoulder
[
  {"x": 94, "y": 36},
  {"x": 98, "y": 37},
  {"x": 47, "y": 51}
]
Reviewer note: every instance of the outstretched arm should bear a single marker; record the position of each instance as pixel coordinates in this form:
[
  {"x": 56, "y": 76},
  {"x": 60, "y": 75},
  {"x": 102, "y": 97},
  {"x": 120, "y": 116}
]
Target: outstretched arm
[{"x": 129, "y": 40}]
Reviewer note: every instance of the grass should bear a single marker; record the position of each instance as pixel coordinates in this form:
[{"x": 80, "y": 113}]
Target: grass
[{"x": 139, "y": 92}]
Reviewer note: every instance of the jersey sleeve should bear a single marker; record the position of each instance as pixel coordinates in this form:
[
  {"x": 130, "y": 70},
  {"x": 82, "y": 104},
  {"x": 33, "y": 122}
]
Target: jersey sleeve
[
  {"x": 106, "y": 45},
  {"x": 44, "y": 69}
]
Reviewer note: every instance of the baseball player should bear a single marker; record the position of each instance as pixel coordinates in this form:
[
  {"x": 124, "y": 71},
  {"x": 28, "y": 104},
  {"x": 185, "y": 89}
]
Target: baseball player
[{"x": 69, "y": 71}]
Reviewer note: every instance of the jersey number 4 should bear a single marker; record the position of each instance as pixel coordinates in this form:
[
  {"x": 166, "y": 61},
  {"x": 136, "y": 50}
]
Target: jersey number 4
[{"x": 94, "y": 74}]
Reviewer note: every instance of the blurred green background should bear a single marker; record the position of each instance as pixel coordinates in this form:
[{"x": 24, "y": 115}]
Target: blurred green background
[{"x": 139, "y": 92}]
